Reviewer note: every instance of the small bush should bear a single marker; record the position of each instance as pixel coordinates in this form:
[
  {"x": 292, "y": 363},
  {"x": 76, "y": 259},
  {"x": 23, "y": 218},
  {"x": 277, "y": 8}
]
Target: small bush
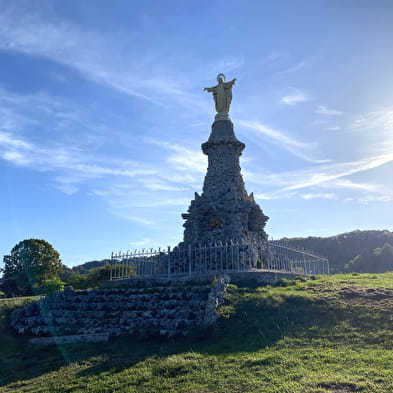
[{"x": 52, "y": 285}]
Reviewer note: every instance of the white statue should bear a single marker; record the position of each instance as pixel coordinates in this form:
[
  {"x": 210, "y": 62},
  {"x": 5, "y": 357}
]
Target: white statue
[{"x": 222, "y": 94}]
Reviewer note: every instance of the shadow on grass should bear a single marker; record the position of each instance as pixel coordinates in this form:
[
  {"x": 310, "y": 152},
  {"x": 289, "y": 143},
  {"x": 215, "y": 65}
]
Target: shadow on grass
[{"x": 252, "y": 321}]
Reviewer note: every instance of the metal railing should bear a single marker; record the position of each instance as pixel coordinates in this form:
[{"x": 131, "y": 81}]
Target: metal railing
[
  {"x": 296, "y": 259},
  {"x": 190, "y": 259}
]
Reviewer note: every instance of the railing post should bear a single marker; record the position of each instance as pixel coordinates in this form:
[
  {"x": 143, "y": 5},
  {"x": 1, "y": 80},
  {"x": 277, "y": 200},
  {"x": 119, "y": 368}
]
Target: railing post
[
  {"x": 110, "y": 274},
  {"x": 189, "y": 260},
  {"x": 169, "y": 261}
]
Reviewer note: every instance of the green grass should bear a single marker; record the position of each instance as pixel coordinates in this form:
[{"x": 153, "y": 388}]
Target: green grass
[{"x": 328, "y": 334}]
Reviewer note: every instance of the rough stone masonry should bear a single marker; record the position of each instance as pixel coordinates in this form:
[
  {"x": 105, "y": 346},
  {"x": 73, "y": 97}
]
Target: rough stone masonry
[{"x": 168, "y": 309}]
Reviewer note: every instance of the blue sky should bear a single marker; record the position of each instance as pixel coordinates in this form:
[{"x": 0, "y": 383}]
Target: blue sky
[{"x": 102, "y": 114}]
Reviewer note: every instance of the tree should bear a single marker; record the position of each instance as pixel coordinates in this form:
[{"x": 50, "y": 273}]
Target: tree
[
  {"x": 52, "y": 285},
  {"x": 30, "y": 263},
  {"x": 93, "y": 278},
  {"x": 379, "y": 260}
]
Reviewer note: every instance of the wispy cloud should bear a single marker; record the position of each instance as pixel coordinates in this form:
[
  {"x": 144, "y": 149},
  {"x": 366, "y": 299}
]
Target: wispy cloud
[
  {"x": 327, "y": 195},
  {"x": 339, "y": 170},
  {"x": 24, "y": 153},
  {"x": 364, "y": 192},
  {"x": 298, "y": 148},
  {"x": 378, "y": 120},
  {"x": 157, "y": 184},
  {"x": 346, "y": 183},
  {"x": 163, "y": 202},
  {"x": 9, "y": 141},
  {"x": 334, "y": 177},
  {"x": 69, "y": 163},
  {"x": 295, "y": 96},
  {"x": 228, "y": 64},
  {"x": 333, "y": 128},
  {"x": 182, "y": 158},
  {"x": 297, "y": 67},
  {"x": 141, "y": 243},
  {"x": 376, "y": 198},
  {"x": 272, "y": 57},
  {"x": 323, "y": 110},
  {"x": 273, "y": 134},
  {"x": 39, "y": 33}
]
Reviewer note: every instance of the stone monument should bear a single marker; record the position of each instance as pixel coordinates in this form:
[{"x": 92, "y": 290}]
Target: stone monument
[{"x": 224, "y": 211}]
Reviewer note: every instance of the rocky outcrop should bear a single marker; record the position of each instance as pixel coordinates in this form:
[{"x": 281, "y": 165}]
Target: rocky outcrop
[
  {"x": 215, "y": 298},
  {"x": 167, "y": 310}
]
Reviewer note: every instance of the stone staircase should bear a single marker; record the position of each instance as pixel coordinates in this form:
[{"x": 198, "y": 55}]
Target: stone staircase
[{"x": 168, "y": 310}]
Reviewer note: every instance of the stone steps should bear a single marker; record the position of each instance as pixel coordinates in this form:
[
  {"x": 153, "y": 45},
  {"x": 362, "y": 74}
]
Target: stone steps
[{"x": 166, "y": 310}]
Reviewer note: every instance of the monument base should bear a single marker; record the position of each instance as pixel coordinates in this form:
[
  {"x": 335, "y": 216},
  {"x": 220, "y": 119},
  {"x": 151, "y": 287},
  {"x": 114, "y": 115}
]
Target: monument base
[
  {"x": 225, "y": 211},
  {"x": 222, "y": 116}
]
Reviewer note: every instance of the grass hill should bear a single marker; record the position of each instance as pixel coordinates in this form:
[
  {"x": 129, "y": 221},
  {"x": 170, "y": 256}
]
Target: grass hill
[
  {"x": 342, "y": 249},
  {"x": 320, "y": 335}
]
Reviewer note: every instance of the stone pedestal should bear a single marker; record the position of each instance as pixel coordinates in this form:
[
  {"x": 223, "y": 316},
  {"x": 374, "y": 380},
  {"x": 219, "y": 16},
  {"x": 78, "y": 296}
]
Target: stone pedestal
[{"x": 224, "y": 211}]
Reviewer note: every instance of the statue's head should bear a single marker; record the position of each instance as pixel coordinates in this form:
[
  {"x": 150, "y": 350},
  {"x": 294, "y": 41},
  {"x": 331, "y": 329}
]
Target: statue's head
[{"x": 220, "y": 78}]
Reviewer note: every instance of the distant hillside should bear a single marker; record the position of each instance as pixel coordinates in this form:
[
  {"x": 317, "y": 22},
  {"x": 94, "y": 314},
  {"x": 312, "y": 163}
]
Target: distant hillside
[
  {"x": 342, "y": 249},
  {"x": 85, "y": 267}
]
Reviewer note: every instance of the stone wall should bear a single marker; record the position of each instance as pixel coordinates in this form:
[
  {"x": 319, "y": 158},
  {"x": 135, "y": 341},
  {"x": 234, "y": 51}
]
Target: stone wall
[{"x": 167, "y": 309}]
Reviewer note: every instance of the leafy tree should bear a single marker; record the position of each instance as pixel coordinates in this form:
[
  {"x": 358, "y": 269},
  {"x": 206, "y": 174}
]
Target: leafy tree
[
  {"x": 379, "y": 260},
  {"x": 30, "y": 263}
]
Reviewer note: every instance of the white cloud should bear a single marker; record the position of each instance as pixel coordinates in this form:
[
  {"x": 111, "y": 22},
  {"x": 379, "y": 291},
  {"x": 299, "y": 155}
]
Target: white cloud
[
  {"x": 273, "y": 134},
  {"x": 339, "y": 170},
  {"x": 274, "y": 195},
  {"x": 162, "y": 202},
  {"x": 333, "y": 128},
  {"x": 300, "y": 65},
  {"x": 66, "y": 188},
  {"x": 294, "y": 97},
  {"x": 319, "y": 122},
  {"x": 273, "y": 56},
  {"x": 292, "y": 145},
  {"x": 333, "y": 177},
  {"x": 15, "y": 157},
  {"x": 8, "y": 140},
  {"x": 141, "y": 243},
  {"x": 228, "y": 65},
  {"x": 376, "y": 198},
  {"x": 378, "y": 120},
  {"x": 328, "y": 195},
  {"x": 323, "y": 110},
  {"x": 39, "y": 32},
  {"x": 74, "y": 165},
  {"x": 155, "y": 184},
  {"x": 182, "y": 159},
  {"x": 346, "y": 183}
]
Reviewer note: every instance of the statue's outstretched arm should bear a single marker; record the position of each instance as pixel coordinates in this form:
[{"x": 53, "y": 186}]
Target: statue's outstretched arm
[
  {"x": 230, "y": 83},
  {"x": 209, "y": 89}
]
